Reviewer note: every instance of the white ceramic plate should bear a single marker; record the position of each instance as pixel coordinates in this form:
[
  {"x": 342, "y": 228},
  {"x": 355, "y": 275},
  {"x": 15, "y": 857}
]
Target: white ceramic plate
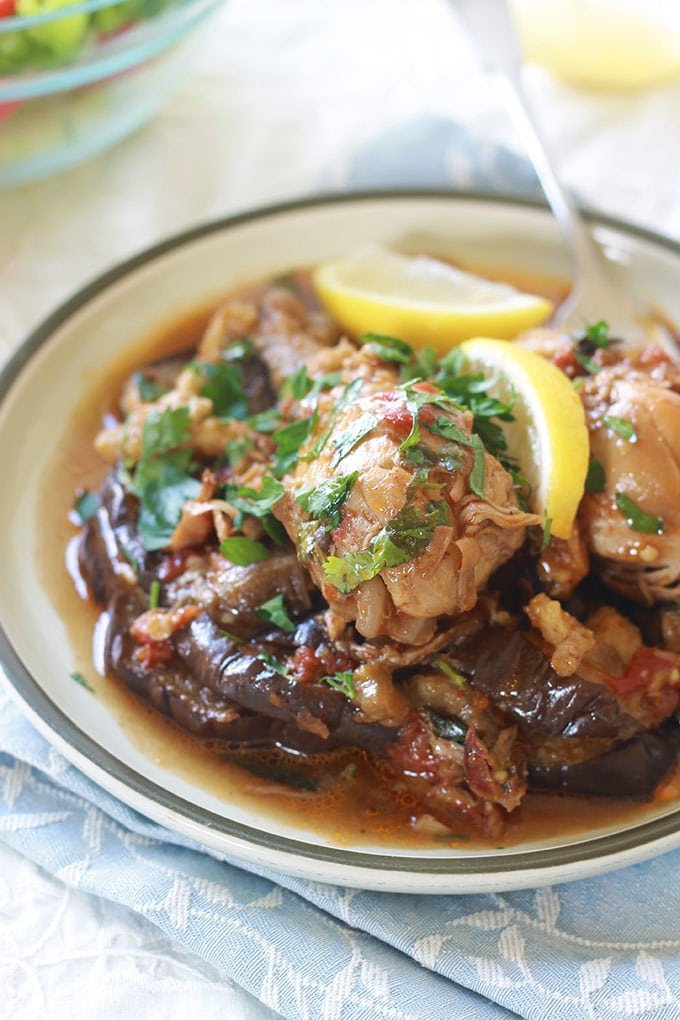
[{"x": 47, "y": 378}]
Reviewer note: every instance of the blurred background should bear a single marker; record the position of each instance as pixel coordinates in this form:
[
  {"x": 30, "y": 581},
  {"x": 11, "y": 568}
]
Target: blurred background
[{"x": 263, "y": 101}]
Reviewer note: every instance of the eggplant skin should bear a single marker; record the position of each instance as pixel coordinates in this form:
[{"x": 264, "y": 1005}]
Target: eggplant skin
[
  {"x": 630, "y": 771},
  {"x": 519, "y": 680},
  {"x": 325, "y": 717}
]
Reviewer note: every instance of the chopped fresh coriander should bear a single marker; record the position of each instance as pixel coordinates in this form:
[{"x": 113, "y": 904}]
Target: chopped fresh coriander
[
  {"x": 149, "y": 389},
  {"x": 80, "y": 679},
  {"x": 266, "y": 421},
  {"x": 585, "y": 361},
  {"x": 342, "y": 681},
  {"x": 621, "y": 426},
  {"x": 450, "y": 672},
  {"x": 402, "y": 539},
  {"x": 257, "y": 502},
  {"x": 86, "y": 505},
  {"x": 447, "y": 429},
  {"x": 326, "y": 501},
  {"x": 347, "y": 440},
  {"x": 598, "y": 334},
  {"x": 387, "y": 348},
  {"x": 636, "y": 518},
  {"x": 165, "y": 431},
  {"x": 595, "y": 478},
  {"x": 236, "y": 449},
  {"x": 547, "y": 529},
  {"x": 423, "y": 366},
  {"x": 595, "y": 337},
  {"x": 274, "y": 664},
  {"x": 274, "y": 611},
  {"x": 347, "y": 572},
  {"x": 477, "y": 473},
  {"x": 238, "y": 350},
  {"x": 154, "y": 594},
  {"x": 297, "y": 385},
  {"x": 243, "y": 551},
  {"x": 163, "y": 486},
  {"x": 350, "y": 392},
  {"x": 289, "y": 439},
  {"x": 223, "y": 384},
  {"x": 305, "y": 540}
]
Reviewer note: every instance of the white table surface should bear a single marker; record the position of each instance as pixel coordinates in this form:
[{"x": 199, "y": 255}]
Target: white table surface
[{"x": 281, "y": 94}]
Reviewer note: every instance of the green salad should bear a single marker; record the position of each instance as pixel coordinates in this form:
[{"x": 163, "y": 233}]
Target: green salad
[{"x": 53, "y": 42}]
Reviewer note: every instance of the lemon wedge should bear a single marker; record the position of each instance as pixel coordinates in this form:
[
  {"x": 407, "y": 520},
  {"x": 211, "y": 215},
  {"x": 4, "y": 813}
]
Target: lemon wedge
[
  {"x": 549, "y": 437},
  {"x": 424, "y": 301}
]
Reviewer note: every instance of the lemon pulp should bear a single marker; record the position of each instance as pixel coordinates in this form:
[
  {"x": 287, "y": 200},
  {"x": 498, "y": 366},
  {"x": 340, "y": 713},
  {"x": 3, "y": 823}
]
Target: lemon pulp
[
  {"x": 548, "y": 437},
  {"x": 424, "y": 301}
]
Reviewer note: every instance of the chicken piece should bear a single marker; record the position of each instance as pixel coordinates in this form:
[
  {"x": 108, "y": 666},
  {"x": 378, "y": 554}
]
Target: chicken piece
[
  {"x": 283, "y": 331},
  {"x": 633, "y": 524},
  {"x": 395, "y": 508},
  {"x": 569, "y": 638}
]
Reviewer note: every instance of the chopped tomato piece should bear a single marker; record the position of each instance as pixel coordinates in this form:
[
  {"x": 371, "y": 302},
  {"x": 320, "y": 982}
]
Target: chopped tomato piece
[{"x": 646, "y": 665}]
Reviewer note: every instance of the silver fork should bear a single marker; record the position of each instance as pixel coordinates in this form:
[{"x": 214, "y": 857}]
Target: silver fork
[{"x": 593, "y": 296}]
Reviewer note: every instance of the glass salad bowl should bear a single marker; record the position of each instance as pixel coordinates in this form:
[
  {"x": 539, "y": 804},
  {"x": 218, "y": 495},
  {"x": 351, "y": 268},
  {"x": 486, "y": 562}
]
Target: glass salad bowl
[{"x": 76, "y": 77}]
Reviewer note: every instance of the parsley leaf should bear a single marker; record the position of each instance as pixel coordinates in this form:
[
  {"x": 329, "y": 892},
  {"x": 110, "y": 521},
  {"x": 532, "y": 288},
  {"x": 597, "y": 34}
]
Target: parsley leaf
[
  {"x": 274, "y": 664},
  {"x": 80, "y": 679},
  {"x": 163, "y": 486},
  {"x": 342, "y": 681},
  {"x": 347, "y": 440},
  {"x": 621, "y": 426},
  {"x": 162, "y": 480},
  {"x": 224, "y": 386},
  {"x": 149, "y": 389},
  {"x": 598, "y": 334},
  {"x": 478, "y": 465},
  {"x": 351, "y": 391},
  {"x": 448, "y": 671},
  {"x": 256, "y": 502},
  {"x": 243, "y": 551},
  {"x": 636, "y": 518},
  {"x": 155, "y": 594},
  {"x": 402, "y": 539},
  {"x": 595, "y": 478},
  {"x": 387, "y": 348},
  {"x": 164, "y": 431},
  {"x": 274, "y": 611},
  {"x": 86, "y": 505},
  {"x": 325, "y": 502},
  {"x": 259, "y": 503},
  {"x": 289, "y": 439}
]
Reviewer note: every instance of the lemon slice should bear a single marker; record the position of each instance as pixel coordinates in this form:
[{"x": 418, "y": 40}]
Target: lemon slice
[
  {"x": 421, "y": 300},
  {"x": 549, "y": 437}
]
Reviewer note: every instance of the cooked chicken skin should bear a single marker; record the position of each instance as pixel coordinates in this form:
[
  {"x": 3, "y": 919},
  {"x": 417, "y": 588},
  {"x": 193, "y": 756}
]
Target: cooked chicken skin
[
  {"x": 413, "y": 540},
  {"x": 634, "y": 422}
]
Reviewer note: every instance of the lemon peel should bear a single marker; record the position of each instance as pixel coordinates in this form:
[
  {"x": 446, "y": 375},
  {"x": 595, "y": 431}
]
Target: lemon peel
[
  {"x": 424, "y": 301},
  {"x": 549, "y": 437}
]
